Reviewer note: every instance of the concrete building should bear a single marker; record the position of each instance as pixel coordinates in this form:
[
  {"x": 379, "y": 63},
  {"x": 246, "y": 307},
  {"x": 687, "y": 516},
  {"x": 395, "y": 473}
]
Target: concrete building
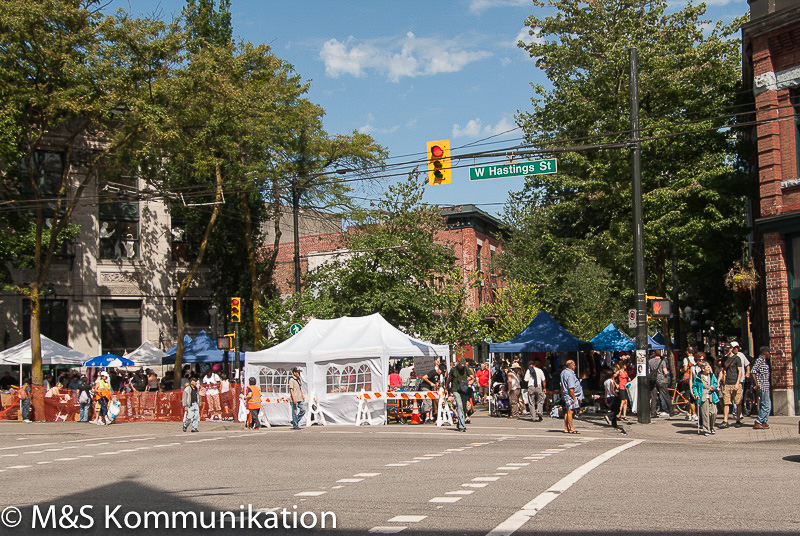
[
  {"x": 115, "y": 285},
  {"x": 771, "y": 71}
]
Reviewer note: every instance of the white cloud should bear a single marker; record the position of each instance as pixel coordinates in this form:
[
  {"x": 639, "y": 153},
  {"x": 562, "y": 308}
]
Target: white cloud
[
  {"x": 475, "y": 128},
  {"x": 405, "y": 57},
  {"x": 525, "y": 36},
  {"x": 369, "y": 128},
  {"x": 477, "y": 6}
]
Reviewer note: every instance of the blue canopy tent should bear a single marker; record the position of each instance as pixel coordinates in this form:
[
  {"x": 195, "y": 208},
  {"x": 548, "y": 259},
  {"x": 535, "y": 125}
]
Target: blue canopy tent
[
  {"x": 612, "y": 339},
  {"x": 543, "y": 334},
  {"x": 109, "y": 360},
  {"x": 201, "y": 349}
]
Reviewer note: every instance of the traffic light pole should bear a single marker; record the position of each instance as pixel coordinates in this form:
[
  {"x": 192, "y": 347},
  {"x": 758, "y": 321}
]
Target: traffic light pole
[
  {"x": 643, "y": 407},
  {"x": 236, "y": 361}
]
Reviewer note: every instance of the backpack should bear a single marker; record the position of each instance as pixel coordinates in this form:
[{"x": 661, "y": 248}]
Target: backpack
[{"x": 652, "y": 374}]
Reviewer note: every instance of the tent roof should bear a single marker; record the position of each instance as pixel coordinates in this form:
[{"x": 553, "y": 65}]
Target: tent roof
[
  {"x": 611, "y": 339},
  {"x": 146, "y": 354},
  {"x": 543, "y": 334},
  {"x": 52, "y": 354},
  {"x": 201, "y": 349},
  {"x": 358, "y": 337}
]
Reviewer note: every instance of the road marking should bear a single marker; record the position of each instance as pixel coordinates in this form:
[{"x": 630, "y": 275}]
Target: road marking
[
  {"x": 407, "y": 519},
  {"x": 570, "y": 445},
  {"x": 508, "y": 468},
  {"x": 474, "y": 485},
  {"x": 396, "y": 464},
  {"x": 440, "y": 454},
  {"x": 533, "y": 458},
  {"x": 52, "y": 450},
  {"x": 500, "y": 474},
  {"x": 310, "y": 493},
  {"x": 10, "y": 455},
  {"x": 460, "y": 492},
  {"x": 367, "y": 475},
  {"x": 65, "y": 459},
  {"x": 85, "y": 456},
  {"x": 27, "y": 446},
  {"x": 485, "y": 478},
  {"x": 33, "y": 452},
  {"x": 552, "y": 450},
  {"x": 387, "y": 530},
  {"x": 423, "y": 458},
  {"x": 349, "y": 480},
  {"x": 411, "y": 461},
  {"x": 337, "y": 487},
  {"x": 445, "y": 499},
  {"x": 43, "y": 463},
  {"x": 19, "y": 467},
  {"x": 543, "y": 454},
  {"x": 519, "y": 464},
  {"x": 522, "y": 516},
  {"x": 456, "y": 450},
  {"x": 108, "y": 453}
]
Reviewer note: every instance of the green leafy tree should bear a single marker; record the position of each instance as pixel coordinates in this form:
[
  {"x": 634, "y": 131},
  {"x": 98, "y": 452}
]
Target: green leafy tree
[
  {"x": 64, "y": 77},
  {"x": 574, "y": 229}
]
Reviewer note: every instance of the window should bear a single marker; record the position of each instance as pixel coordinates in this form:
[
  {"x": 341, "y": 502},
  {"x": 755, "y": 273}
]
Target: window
[
  {"x": 348, "y": 378},
  {"x": 178, "y": 245},
  {"x": 478, "y": 257},
  {"x": 120, "y": 325},
  {"x": 119, "y": 215},
  {"x": 196, "y": 316},
  {"x": 52, "y": 320},
  {"x": 274, "y": 381}
]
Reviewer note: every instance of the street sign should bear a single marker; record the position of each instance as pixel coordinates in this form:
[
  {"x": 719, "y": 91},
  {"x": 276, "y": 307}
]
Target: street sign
[
  {"x": 294, "y": 329},
  {"x": 631, "y": 318},
  {"x": 488, "y": 340},
  {"x": 538, "y": 167}
]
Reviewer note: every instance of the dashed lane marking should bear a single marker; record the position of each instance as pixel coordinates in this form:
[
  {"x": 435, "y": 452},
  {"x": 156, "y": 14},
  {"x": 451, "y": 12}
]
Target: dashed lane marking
[
  {"x": 473, "y": 485},
  {"x": 310, "y": 493},
  {"x": 396, "y": 464},
  {"x": 349, "y": 480},
  {"x": 407, "y": 519},
  {"x": 519, "y": 464},
  {"x": 387, "y": 530},
  {"x": 65, "y": 459},
  {"x": 460, "y": 492},
  {"x": 19, "y": 467},
  {"x": 367, "y": 475},
  {"x": 445, "y": 499},
  {"x": 486, "y": 478},
  {"x": 508, "y": 468},
  {"x": 43, "y": 463}
]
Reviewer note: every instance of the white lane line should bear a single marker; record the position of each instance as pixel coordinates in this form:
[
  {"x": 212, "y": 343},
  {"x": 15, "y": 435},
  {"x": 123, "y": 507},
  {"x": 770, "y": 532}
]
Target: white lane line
[
  {"x": 19, "y": 467},
  {"x": 485, "y": 478},
  {"x": 553, "y": 450},
  {"x": 52, "y": 450},
  {"x": 545, "y": 454},
  {"x": 519, "y": 518},
  {"x": 570, "y": 445},
  {"x": 407, "y": 519},
  {"x": 65, "y": 459},
  {"x": 337, "y": 487},
  {"x": 27, "y": 446},
  {"x": 85, "y": 456},
  {"x": 504, "y": 468},
  {"x": 519, "y": 464},
  {"x": 10, "y": 455},
  {"x": 460, "y": 492},
  {"x": 396, "y": 464},
  {"x": 411, "y": 461},
  {"x": 43, "y": 463},
  {"x": 445, "y": 499},
  {"x": 387, "y": 530},
  {"x": 108, "y": 453},
  {"x": 533, "y": 458},
  {"x": 423, "y": 458},
  {"x": 33, "y": 452},
  {"x": 349, "y": 480},
  {"x": 500, "y": 474},
  {"x": 439, "y": 454},
  {"x": 310, "y": 493},
  {"x": 455, "y": 450},
  {"x": 367, "y": 475},
  {"x": 473, "y": 485}
]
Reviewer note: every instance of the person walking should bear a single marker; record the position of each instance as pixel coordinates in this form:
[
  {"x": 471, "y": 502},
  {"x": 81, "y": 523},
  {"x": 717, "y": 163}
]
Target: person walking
[
  {"x": 459, "y": 385},
  {"x": 24, "y": 395},
  {"x": 704, "y": 389},
  {"x": 429, "y": 382},
  {"x": 537, "y": 391},
  {"x": 84, "y": 398},
  {"x": 761, "y": 376},
  {"x": 572, "y": 393},
  {"x": 732, "y": 374},
  {"x": 298, "y": 399},
  {"x": 622, "y": 389},
  {"x": 191, "y": 403},
  {"x": 102, "y": 395},
  {"x": 612, "y": 400},
  {"x": 253, "y": 399},
  {"x": 514, "y": 389}
]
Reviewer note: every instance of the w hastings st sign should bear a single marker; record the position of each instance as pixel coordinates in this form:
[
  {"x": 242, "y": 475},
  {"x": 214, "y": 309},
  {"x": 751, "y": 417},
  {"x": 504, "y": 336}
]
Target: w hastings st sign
[{"x": 538, "y": 167}]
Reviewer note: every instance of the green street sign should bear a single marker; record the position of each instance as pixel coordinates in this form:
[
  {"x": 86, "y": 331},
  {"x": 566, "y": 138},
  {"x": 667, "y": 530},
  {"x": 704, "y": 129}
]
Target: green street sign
[
  {"x": 294, "y": 329},
  {"x": 488, "y": 340},
  {"x": 538, "y": 167}
]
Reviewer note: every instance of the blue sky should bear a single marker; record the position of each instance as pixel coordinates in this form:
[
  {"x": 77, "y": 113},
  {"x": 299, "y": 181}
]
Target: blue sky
[{"x": 408, "y": 72}]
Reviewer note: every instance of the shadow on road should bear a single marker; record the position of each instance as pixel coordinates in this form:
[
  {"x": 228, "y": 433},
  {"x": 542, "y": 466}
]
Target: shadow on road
[{"x": 793, "y": 458}]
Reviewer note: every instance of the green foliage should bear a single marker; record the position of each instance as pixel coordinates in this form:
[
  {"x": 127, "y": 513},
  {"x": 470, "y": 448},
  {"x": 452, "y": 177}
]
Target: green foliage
[
  {"x": 514, "y": 307},
  {"x": 573, "y": 230}
]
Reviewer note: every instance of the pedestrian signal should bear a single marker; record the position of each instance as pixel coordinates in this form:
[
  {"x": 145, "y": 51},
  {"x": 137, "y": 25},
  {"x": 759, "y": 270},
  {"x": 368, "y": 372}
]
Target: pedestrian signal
[{"x": 660, "y": 308}]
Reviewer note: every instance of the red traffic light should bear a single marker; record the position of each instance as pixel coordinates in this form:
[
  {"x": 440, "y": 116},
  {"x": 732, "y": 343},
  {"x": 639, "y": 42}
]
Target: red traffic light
[
  {"x": 234, "y": 301},
  {"x": 437, "y": 151}
]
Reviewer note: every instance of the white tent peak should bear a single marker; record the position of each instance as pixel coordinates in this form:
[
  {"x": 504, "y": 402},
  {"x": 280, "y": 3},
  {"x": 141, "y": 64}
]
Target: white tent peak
[{"x": 53, "y": 353}]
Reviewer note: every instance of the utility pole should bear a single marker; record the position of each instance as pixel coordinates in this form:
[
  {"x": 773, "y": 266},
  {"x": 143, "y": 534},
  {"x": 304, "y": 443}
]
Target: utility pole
[
  {"x": 643, "y": 410},
  {"x": 296, "y": 225}
]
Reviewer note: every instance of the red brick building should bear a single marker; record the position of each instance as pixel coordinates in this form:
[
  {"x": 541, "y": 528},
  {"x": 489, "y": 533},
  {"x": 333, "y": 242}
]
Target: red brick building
[
  {"x": 474, "y": 235},
  {"x": 771, "y": 69}
]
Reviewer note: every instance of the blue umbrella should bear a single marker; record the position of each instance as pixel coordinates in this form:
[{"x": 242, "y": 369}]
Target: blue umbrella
[{"x": 109, "y": 360}]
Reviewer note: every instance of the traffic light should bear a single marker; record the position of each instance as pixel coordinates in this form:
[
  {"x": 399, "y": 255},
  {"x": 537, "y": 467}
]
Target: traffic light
[
  {"x": 236, "y": 310},
  {"x": 439, "y": 162},
  {"x": 660, "y": 308}
]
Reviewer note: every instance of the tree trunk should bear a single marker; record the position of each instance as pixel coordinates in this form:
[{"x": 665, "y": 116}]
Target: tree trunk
[
  {"x": 255, "y": 288},
  {"x": 187, "y": 280}
]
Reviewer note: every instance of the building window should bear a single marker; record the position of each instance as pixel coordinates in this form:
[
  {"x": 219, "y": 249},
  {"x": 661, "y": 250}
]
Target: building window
[
  {"x": 120, "y": 325},
  {"x": 52, "y": 320},
  {"x": 178, "y": 246},
  {"x": 119, "y": 215},
  {"x": 196, "y": 316},
  {"x": 478, "y": 257},
  {"x": 348, "y": 378},
  {"x": 273, "y": 380}
]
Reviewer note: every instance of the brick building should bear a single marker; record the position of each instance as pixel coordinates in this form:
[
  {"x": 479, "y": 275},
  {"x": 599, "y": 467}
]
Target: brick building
[
  {"x": 771, "y": 69},
  {"x": 474, "y": 235}
]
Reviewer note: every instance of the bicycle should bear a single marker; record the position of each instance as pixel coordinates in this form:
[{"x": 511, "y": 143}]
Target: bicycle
[{"x": 679, "y": 401}]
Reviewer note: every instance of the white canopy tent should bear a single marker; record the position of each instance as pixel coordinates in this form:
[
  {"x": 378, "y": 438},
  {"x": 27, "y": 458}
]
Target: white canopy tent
[
  {"x": 52, "y": 354},
  {"x": 146, "y": 355},
  {"x": 337, "y": 359}
]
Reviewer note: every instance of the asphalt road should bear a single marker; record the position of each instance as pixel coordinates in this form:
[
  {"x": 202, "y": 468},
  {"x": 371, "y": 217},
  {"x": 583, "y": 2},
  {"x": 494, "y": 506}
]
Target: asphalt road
[{"x": 500, "y": 477}]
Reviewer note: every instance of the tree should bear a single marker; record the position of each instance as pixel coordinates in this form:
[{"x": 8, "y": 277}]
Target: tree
[
  {"x": 63, "y": 81},
  {"x": 393, "y": 262},
  {"x": 581, "y": 217}
]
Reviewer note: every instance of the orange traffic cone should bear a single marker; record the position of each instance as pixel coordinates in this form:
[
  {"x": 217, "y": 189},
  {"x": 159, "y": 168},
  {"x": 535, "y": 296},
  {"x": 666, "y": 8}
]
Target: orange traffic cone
[{"x": 415, "y": 414}]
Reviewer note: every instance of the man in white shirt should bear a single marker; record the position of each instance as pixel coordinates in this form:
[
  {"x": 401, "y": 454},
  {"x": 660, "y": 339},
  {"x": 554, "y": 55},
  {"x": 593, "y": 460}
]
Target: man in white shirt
[
  {"x": 746, "y": 369},
  {"x": 210, "y": 382},
  {"x": 405, "y": 374},
  {"x": 537, "y": 390}
]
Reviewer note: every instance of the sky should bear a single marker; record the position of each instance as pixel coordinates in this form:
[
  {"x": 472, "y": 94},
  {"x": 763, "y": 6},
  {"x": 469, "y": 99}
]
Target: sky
[{"x": 409, "y": 72}]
